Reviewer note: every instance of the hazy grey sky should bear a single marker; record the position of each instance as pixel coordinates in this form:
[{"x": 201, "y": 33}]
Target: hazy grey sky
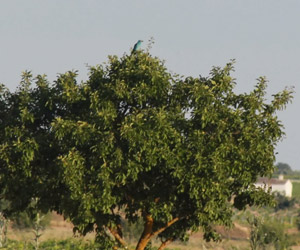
[{"x": 53, "y": 36}]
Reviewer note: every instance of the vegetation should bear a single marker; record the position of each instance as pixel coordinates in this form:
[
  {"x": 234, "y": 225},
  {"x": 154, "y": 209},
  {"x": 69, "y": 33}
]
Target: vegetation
[
  {"x": 137, "y": 143},
  {"x": 296, "y": 190},
  {"x": 268, "y": 233},
  {"x": 283, "y": 202},
  {"x": 287, "y": 171},
  {"x": 24, "y": 220},
  {"x": 69, "y": 244},
  {"x": 283, "y": 168},
  {"x": 234, "y": 238}
]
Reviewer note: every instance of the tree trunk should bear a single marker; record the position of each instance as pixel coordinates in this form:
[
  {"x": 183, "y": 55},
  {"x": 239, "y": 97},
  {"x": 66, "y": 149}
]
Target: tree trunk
[{"x": 147, "y": 233}]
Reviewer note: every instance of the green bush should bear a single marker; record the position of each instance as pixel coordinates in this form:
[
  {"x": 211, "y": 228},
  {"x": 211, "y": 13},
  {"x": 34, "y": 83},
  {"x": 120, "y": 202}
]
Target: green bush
[
  {"x": 298, "y": 220},
  {"x": 268, "y": 233},
  {"x": 283, "y": 202},
  {"x": 69, "y": 244}
]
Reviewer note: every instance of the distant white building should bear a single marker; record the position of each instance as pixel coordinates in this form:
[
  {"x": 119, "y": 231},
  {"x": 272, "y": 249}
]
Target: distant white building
[{"x": 280, "y": 185}]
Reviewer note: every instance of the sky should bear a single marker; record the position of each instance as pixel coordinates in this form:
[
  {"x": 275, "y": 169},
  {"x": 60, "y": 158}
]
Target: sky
[{"x": 54, "y": 36}]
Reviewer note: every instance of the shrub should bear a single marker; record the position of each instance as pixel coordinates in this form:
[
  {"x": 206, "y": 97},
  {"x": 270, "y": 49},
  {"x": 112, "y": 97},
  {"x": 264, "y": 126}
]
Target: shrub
[
  {"x": 69, "y": 244},
  {"x": 283, "y": 202},
  {"x": 268, "y": 233}
]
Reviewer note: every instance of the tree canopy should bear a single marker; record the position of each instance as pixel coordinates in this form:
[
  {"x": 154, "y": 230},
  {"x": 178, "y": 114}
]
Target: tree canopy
[
  {"x": 135, "y": 141},
  {"x": 283, "y": 168}
]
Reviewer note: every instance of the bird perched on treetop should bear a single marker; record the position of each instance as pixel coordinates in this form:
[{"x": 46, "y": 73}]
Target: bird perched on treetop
[{"x": 137, "y": 46}]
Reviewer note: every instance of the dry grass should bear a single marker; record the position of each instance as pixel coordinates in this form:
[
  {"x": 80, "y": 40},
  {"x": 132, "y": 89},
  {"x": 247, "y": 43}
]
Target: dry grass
[{"x": 59, "y": 229}]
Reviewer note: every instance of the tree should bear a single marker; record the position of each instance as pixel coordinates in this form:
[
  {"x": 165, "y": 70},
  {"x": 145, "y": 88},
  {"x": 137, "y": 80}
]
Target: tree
[
  {"x": 135, "y": 141},
  {"x": 283, "y": 168},
  {"x": 256, "y": 238}
]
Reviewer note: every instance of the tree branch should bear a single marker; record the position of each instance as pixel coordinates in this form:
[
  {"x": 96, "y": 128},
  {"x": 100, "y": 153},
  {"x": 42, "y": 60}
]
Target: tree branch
[
  {"x": 170, "y": 223},
  {"x": 148, "y": 234},
  {"x": 165, "y": 243},
  {"x": 118, "y": 237}
]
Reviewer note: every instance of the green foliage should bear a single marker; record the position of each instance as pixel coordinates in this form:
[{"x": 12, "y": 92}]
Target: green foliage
[
  {"x": 13, "y": 245},
  {"x": 135, "y": 141},
  {"x": 268, "y": 233},
  {"x": 298, "y": 221},
  {"x": 283, "y": 168},
  {"x": 274, "y": 234},
  {"x": 255, "y": 236},
  {"x": 69, "y": 244},
  {"x": 283, "y": 202}
]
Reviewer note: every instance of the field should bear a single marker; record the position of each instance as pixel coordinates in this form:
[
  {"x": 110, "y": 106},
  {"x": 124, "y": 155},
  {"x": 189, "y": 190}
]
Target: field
[{"x": 296, "y": 189}]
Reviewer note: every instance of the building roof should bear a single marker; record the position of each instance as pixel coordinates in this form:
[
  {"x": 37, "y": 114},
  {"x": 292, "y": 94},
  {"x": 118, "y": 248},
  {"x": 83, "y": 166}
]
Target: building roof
[{"x": 271, "y": 181}]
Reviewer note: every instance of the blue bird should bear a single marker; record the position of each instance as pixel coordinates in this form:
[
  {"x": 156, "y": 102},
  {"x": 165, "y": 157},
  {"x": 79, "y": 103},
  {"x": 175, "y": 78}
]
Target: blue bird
[{"x": 137, "y": 46}]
